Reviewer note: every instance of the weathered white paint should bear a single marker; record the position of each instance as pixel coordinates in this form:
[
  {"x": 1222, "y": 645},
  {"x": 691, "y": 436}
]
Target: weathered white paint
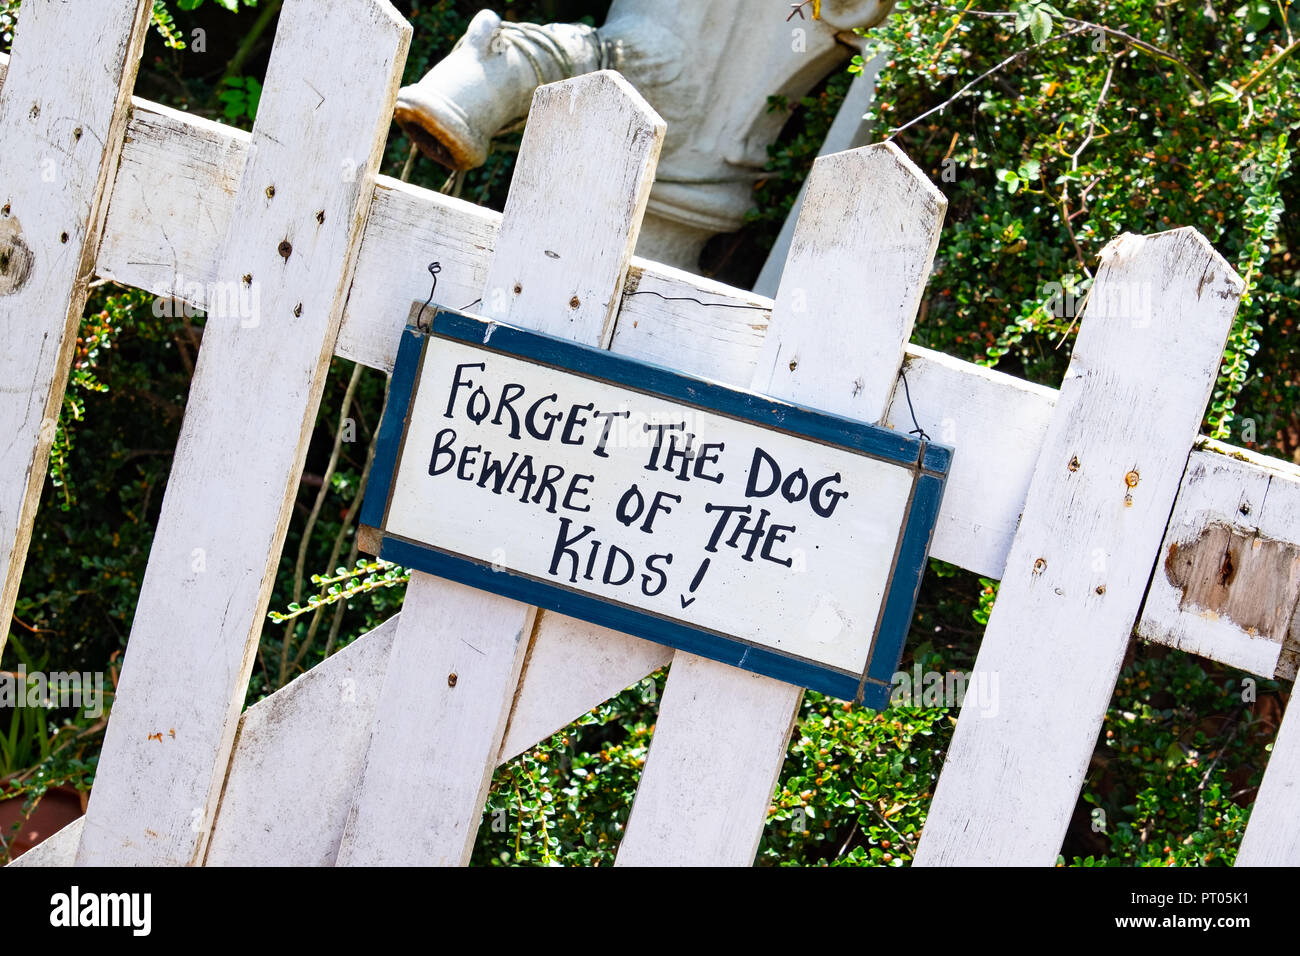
[
  {"x": 848, "y": 131},
  {"x": 997, "y": 424},
  {"x": 1100, "y": 498},
  {"x": 62, "y": 116},
  {"x": 159, "y": 230},
  {"x": 173, "y": 199},
  {"x": 284, "y": 269},
  {"x": 297, "y": 758},
  {"x": 1273, "y": 835},
  {"x": 576, "y": 201},
  {"x": 848, "y": 299},
  {"x": 1235, "y": 514},
  {"x": 59, "y": 850}
]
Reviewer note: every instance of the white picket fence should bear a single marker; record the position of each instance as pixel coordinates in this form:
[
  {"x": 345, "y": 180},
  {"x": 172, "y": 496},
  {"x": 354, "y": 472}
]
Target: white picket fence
[{"x": 1097, "y": 506}]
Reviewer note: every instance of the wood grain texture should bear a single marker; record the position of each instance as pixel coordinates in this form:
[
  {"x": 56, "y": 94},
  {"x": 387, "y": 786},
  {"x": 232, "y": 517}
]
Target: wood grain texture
[
  {"x": 576, "y": 200},
  {"x": 861, "y": 252},
  {"x": 1227, "y": 584},
  {"x": 62, "y": 116},
  {"x": 59, "y": 850},
  {"x": 293, "y": 771},
  {"x": 996, "y": 424},
  {"x": 297, "y": 758},
  {"x": 283, "y": 270},
  {"x": 1098, "y": 504},
  {"x": 1273, "y": 835}
]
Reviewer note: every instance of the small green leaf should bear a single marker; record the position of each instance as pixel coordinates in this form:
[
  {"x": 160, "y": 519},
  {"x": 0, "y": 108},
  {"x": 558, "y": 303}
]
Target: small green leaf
[{"x": 1040, "y": 25}]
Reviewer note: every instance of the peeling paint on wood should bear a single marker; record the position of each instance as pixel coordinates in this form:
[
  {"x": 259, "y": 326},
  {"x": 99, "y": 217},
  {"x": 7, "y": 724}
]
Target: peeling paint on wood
[
  {"x": 15, "y": 256},
  {"x": 1011, "y": 779},
  {"x": 62, "y": 117},
  {"x": 1228, "y": 583},
  {"x": 225, "y": 512},
  {"x": 1266, "y": 572}
]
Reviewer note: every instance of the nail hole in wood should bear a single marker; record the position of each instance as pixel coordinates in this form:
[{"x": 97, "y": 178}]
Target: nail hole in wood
[
  {"x": 248, "y": 278},
  {"x": 1040, "y": 565},
  {"x": 518, "y": 288},
  {"x": 5, "y": 210},
  {"x": 794, "y": 364},
  {"x": 285, "y": 249},
  {"x": 451, "y": 680},
  {"x": 63, "y": 238},
  {"x": 270, "y": 192},
  {"x": 1074, "y": 463},
  {"x": 574, "y": 303},
  {"x": 320, "y": 217},
  {"x": 297, "y": 310},
  {"x": 76, "y": 133}
]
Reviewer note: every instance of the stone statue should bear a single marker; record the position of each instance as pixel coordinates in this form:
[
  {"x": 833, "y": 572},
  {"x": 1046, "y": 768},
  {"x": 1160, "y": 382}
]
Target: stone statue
[{"x": 708, "y": 68}]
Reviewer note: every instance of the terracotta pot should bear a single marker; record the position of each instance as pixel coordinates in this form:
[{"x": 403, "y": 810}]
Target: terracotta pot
[{"x": 59, "y": 807}]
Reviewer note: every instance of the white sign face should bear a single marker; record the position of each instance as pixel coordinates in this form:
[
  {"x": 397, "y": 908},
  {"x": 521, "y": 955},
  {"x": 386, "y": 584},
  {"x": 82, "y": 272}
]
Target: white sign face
[{"x": 685, "y": 513}]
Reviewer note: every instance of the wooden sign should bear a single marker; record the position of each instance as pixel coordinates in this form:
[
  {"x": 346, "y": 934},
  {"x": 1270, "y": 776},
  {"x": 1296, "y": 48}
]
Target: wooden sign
[{"x": 772, "y": 537}]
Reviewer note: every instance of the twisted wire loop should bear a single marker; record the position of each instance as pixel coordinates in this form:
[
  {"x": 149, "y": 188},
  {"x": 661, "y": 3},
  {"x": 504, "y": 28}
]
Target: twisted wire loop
[
  {"x": 907, "y": 393},
  {"x": 434, "y": 269}
]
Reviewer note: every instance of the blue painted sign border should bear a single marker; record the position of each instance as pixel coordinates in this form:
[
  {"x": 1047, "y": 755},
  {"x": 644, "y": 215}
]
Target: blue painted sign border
[{"x": 928, "y": 462}]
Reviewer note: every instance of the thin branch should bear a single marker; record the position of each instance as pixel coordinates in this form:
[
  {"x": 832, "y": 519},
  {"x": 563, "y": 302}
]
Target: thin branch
[
  {"x": 348, "y": 520},
  {"x": 1096, "y": 111},
  {"x": 1019, "y": 54},
  {"x": 300, "y": 565},
  {"x": 1149, "y": 48},
  {"x": 1268, "y": 68}
]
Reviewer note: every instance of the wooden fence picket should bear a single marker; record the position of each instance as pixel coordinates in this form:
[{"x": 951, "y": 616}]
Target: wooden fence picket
[
  {"x": 1273, "y": 835},
  {"x": 1131, "y": 404},
  {"x": 570, "y": 223},
  {"x": 285, "y": 801},
  {"x": 284, "y": 272},
  {"x": 63, "y": 111},
  {"x": 844, "y": 311}
]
